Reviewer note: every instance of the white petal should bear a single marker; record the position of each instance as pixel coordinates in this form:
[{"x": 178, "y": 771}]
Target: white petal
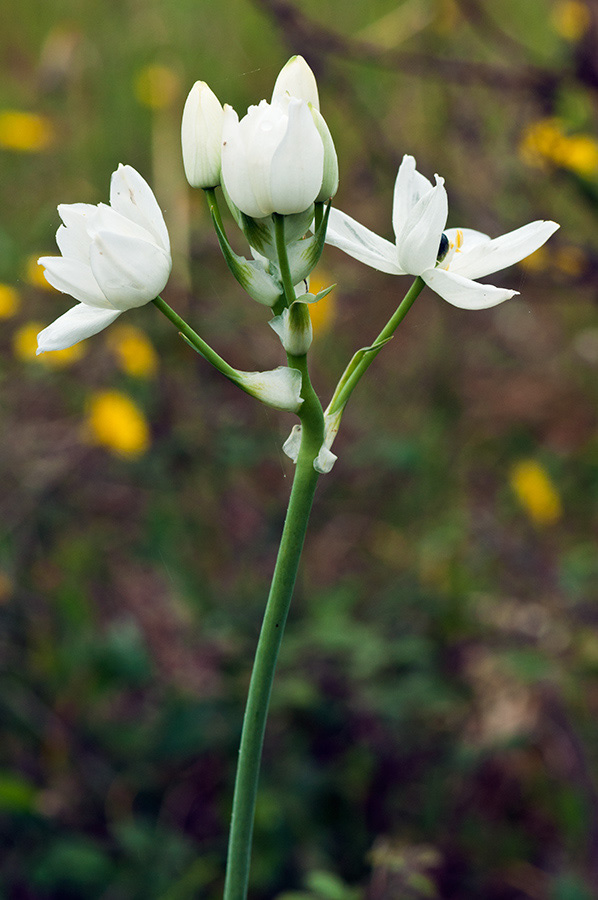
[
  {"x": 130, "y": 272},
  {"x": 410, "y": 187},
  {"x": 362, "y": 244},
  {"x": 131, "y": 195},
  {"x": 73, "y": 237},
  {"x": 71, "y": 276},
  {"x": 298, "y": 164},
  {"x": 74, "y": 243},
  {"x": 109, "y": 219},
  {"x": 419, "y": 238},
  {"x": 463, "y": 292},
  {"x": 296, "y": 79},
  {"x": 235, "y": 166},
  {"x": 467, "y": 238},
  {"x": 280, "y": 388},
  {"x": 78, "y": 323},
  {"x": 263, "y": 130},
  {"x": 201, "y": 136},
  {"x": 502, "y": 252}
]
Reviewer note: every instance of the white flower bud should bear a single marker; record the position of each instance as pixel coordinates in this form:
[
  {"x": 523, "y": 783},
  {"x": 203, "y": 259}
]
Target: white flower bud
[
  {"x": 201, "y": 136},
  {"x": 330, "y": 175},
  {"x": 294, "y": 328},
  {"x": 296, "y": 79}
]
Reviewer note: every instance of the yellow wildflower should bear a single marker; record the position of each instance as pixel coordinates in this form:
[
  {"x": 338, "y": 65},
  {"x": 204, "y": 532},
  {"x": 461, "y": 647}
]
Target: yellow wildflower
[
  {"x": 25, "y": 132},
  {"x": 322, "y": 313},
  {"x": 25, "y": 345},
  {"x": 579, "y": 153},
  {"x": 24, "y": 341},
  {"x": 536, "y": 261},
  {"x": 134, "y": 351},
  {"x": 156, "y": 86},
  {"x": 116, "y": 422},
  {"x": 34, "y": 274},
  {"x": 570, "y": 19},
  {"x": 9, "y": 301},
  {"x": 545, "y": 141},
  {"x": 571, "y": 260},
  {"x": 535, "y": 492}
]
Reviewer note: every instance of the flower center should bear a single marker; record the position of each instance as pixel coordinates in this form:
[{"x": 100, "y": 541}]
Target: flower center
[{"x": 443, "y": 249}]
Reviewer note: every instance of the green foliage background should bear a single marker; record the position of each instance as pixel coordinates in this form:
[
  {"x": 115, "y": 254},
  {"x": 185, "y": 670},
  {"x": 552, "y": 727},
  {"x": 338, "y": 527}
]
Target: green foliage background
[{"x": 433, "y": 729}]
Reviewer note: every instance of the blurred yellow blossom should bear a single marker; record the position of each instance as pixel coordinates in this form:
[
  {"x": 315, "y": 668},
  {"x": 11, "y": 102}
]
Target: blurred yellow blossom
[
  {"x": 9, "y": 301},
  {"x": 571, "y": 260},
  {"x": 25, "y": 132},
  {"x": 322, "y": 313},
  {"x": 536, "y": 492},
  {"x": 542, "y": 141},
  {"x": 134, "y": 351},
  {"x": 545, "y": 141},
  {"x": 536, "y": 261},
  {"x": 34, "y": 274},
  {"x": 116, "y": 422},
  {"x": 157, "y": 86},
  {"x": 25, "y": 345},
  {"x": 570, "y": 19}
]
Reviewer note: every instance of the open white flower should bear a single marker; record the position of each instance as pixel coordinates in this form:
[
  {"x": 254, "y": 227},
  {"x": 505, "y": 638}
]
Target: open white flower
[
  {"x": 447, "y": 260},
  {"x": 113, "y": 258}
]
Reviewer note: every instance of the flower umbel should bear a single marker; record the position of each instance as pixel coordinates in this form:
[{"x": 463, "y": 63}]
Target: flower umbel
[
  {"x": 113, "y": 258},
  {"x": 448, "y": 265}
]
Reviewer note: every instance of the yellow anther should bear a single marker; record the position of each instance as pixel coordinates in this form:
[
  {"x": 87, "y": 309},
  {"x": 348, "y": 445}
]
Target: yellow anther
[{"x": 458, "y": 240}]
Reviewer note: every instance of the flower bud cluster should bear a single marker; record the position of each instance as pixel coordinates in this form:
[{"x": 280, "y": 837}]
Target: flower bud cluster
[{"x": 279, "y": 158}]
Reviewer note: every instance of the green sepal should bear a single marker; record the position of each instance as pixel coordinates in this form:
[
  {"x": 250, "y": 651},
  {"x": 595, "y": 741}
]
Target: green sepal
[
  {"x": 304, "y": 255},
  {"x": 191, "y": 344},
  {"x": 260, "y": 233},
  {"x": 337, "y": 402},
  {"x": 324, "y": 293},
  {"x": 257, "y": 277}
]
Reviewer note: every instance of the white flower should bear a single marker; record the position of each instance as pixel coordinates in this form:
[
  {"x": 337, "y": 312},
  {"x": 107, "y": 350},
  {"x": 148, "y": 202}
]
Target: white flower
[
  {"x": 297, "y": 80},
  {"x": 113, "y": 258},
  {"x": 447, "y": 265},
  {"x": 201, "y": 136},
  {"x": 273, "y": 159}
]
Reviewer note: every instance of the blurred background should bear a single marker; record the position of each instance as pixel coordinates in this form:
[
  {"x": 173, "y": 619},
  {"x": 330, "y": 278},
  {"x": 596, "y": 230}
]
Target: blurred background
[{"x": 434, "y": 725}]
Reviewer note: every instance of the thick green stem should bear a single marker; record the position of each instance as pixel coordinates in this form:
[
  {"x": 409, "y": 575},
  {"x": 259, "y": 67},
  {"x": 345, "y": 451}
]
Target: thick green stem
[
  {"x": 258, "y": 699},
  {"x": 275, "y": 616}
]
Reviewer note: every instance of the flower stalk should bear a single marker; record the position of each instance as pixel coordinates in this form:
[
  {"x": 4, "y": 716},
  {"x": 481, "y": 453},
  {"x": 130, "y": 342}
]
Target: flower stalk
[{"x": 275, "y": 616}]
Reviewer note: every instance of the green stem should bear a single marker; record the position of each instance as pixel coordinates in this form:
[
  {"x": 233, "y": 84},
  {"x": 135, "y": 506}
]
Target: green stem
[
  {"x": 283, "y": 260},
  {"x": 195, "y": 340},
  {"x": 354, "y": 372},
  {"x": 213, "y": 204},
  {"x": 277, "y": 607}
]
